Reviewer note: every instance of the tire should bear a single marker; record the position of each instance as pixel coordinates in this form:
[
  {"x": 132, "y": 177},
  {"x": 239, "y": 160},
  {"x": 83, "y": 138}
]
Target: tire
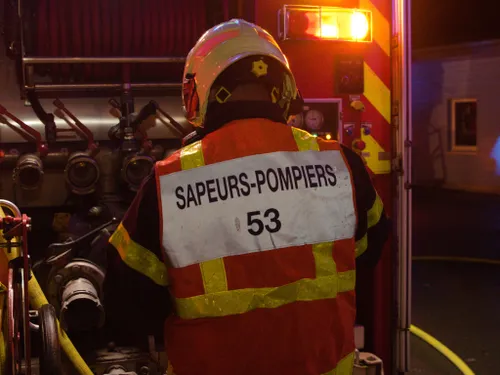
[{"x": 50, "y": 357}]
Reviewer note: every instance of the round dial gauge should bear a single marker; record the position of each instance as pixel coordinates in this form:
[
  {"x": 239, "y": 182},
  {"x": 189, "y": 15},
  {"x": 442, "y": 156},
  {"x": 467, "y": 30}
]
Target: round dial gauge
[{"x": 314, "y": 119}]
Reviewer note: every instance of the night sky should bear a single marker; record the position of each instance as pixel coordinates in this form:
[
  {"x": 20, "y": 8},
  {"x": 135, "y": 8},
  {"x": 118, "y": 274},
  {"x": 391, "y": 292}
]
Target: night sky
[{"x": 441, "y": 22}]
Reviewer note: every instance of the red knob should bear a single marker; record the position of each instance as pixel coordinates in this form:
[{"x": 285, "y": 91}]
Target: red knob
[
  {"x": 43, "y": 149},
  {"x": 359, "y": 144}
]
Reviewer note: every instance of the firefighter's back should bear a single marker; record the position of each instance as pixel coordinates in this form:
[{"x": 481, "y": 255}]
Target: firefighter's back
[{"x": 258, "y": 223}]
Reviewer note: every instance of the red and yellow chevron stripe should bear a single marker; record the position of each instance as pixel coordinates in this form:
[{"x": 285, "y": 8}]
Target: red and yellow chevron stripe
[{"x": 377, "y": 71}]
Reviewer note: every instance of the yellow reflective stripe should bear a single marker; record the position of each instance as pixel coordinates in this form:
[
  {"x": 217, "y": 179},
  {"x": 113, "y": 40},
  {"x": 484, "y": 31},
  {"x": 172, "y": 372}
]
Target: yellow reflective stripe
[
  {"x": 375, "y": 213},
  {"x": 323, "y": 259},
  {"x": 244, "y": 300},
  {"x": 213, "y": 272},
  {"x": 214, "y": 276},
  {"x": 138, "y": 257},
  {"x": 304, "y": 140},
  {"x": 374, "y": 155},
  {"x": 192, "y": 156},
  {"x": 344, "y": 367},
  {"x": 361, "y": 245},
  {"x": 377, "y": 93}
]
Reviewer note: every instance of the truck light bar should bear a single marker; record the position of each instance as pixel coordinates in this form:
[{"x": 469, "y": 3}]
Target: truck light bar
[{"x": 324, "y": 23}]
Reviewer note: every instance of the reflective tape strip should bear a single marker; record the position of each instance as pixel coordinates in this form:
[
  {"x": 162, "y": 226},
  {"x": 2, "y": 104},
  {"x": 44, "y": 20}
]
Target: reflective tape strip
[
  {"x": 323, "y": 259},
  {"x": 375, "y": 213},
  {"x": 377, "y": 72},
  {"x": 138, "y": 257},
  {"x": 376, "y": 164},
  {"x": 377, "y": 93},
  {"x": 244, "y": 300},
  {"x": 361, "y": 245},
  {"x": 192, "y": 156},
  {"x": 344, "y": 367},
  {"x": 304, "y": 140},
  {"x": 214, "y": 276},
  {"x": 322, "y": 252},
  {"x": 213, "y": 272}
]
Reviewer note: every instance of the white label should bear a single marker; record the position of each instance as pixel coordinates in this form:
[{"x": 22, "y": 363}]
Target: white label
[{"x": 256, "y": 203}]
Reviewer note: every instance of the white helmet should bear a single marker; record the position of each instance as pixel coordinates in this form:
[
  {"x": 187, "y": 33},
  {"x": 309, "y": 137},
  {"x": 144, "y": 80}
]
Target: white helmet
[{"x": 220, "y": 48}]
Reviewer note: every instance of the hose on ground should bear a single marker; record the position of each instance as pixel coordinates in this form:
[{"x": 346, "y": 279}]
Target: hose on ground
[{"x": 440, "y": 347}]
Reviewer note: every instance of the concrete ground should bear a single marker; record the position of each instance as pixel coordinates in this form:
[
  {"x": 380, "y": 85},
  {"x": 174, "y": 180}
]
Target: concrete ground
[{"x": 458, "y": 303}]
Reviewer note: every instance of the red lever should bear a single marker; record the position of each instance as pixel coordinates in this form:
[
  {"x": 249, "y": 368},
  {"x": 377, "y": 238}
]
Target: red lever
[
  {"x": 32, "y": 133},
  {"x": 92, "y": 146}
]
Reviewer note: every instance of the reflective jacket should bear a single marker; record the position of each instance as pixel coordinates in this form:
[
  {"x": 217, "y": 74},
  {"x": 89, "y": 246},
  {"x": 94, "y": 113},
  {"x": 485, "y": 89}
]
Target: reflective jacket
[{"x": 259, "y": 231}]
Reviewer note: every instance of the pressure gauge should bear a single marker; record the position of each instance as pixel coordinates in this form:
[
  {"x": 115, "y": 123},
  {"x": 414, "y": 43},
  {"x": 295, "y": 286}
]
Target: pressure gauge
[
  {"x": 297, "y": 121},
  {"x": 314, "y": 119}
]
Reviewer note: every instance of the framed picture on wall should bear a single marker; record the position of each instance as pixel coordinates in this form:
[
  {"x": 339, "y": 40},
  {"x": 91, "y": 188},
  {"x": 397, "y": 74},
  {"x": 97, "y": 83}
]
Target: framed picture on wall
[{"x": 463, "y": 125}]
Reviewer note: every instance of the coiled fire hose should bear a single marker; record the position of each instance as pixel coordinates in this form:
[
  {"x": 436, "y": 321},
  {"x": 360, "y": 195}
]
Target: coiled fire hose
[{"x": 37, "y": 300}]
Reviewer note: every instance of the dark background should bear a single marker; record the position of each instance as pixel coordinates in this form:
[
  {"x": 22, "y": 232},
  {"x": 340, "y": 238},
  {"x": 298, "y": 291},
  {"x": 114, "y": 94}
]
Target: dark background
[{"x": 442, "y": 22}]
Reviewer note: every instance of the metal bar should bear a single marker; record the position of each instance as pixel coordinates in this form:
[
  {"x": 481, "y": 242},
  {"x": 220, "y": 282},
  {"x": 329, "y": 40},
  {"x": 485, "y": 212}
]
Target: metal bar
[
  {"x": 402, "y": 93},
  {"x": 102, "y": 86},
  {"x": 21, "y": 35},
  {"x": 156, "y": 85},
  {"x": 101, "y": 60},
  {"x": 13, "y": 341},
  {"x": 407, "y": 160}
]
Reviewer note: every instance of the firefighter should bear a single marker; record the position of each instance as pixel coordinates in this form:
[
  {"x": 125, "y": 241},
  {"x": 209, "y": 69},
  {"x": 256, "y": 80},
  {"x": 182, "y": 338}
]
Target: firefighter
[{"x": 246, "y": 239}]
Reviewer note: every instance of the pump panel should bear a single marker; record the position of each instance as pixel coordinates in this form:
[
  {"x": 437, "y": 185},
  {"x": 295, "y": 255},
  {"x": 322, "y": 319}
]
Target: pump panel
[{"x": 320, "y": 117}]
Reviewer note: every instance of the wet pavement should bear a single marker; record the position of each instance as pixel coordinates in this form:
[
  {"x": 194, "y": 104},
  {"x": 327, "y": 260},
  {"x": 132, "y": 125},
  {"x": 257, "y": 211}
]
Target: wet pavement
[{"x": 458, "y": 303}]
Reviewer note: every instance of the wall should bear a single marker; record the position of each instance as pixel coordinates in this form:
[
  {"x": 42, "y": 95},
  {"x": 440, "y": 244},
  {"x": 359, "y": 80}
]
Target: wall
[{"x": 441, "y": 74}]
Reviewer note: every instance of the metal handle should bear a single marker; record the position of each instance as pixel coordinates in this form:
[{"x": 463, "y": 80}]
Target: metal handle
[
  {"x": 11, "y": 206},
  {"x": 113, "y": 103},
  {"x": 86, "y": 132},
  {"x": 146, "y": 111},
  {"x": 101, "y": 60},
  {"x": 173, "y": 124}
]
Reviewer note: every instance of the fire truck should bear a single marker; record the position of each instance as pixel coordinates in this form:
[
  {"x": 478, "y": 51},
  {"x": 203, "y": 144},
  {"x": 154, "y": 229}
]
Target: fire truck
[{"x": 90, "y": 99}]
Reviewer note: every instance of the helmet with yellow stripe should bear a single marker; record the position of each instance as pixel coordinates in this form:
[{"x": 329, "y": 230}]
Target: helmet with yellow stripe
[{"x": 230, "y": 54}]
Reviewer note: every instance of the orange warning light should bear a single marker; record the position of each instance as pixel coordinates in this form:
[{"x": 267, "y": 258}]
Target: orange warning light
[{"x": 328, "y": 23}]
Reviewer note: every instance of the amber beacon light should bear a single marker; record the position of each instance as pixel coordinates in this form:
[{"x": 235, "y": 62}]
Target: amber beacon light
[{"x": 324, "y": 23}]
